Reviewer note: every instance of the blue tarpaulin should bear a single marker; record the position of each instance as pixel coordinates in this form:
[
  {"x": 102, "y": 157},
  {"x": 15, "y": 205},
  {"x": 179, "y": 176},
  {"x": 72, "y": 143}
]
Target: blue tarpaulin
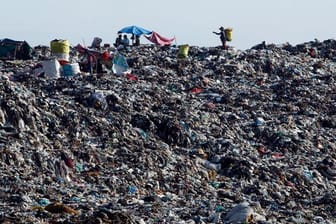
[{"x": 136, "y": 30}]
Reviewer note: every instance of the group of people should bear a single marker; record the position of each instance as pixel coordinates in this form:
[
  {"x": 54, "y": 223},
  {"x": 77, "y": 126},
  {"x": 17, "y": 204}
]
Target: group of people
[{"x": 122, "y": 41}]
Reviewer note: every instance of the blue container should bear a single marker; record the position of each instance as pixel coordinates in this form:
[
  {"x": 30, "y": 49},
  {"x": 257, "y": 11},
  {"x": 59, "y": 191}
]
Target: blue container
[{"x": 67, "y": 70}]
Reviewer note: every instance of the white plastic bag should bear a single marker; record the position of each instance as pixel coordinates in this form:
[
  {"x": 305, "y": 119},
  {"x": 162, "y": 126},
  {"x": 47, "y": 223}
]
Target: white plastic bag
[{"x": 51, "y": 68}]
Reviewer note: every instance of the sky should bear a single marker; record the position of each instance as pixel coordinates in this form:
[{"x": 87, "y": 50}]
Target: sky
[{"x": 190, "y": 22}]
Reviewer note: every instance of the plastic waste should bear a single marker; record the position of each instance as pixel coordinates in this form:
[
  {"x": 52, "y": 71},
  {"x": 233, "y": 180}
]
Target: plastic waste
[
  {"x": 60, "y": 49},
  {"x": 51, "y": 68},
  {"x": 119, "y": 150},
  {"x": 183, "y": 51}
]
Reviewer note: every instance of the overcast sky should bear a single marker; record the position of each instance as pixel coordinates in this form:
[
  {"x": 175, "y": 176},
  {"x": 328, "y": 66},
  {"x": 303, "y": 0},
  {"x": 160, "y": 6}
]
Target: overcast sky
[{"x": 191, "y": 22}]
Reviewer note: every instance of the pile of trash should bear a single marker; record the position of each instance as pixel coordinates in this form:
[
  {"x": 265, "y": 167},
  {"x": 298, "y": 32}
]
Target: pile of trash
[{"x": 219, "y": 136}]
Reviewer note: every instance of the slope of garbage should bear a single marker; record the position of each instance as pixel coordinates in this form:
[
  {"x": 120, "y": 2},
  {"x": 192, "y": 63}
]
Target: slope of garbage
[{"x": 222, "y": 136}]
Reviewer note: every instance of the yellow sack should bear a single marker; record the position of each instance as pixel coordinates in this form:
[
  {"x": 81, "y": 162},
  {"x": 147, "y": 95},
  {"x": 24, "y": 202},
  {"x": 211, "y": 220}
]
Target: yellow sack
[
  {"x": 228, "y": 34},
  {"x": 183, "y": 51},
  {"x": 60, "y": 46}
]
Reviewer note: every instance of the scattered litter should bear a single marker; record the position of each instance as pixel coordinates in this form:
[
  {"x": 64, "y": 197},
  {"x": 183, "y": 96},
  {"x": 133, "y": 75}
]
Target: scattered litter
[{"x": 145, "y": 136}]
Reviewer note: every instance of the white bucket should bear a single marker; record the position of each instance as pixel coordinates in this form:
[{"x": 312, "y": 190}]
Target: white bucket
[
  {"x": 61, "y": 56},
  {"x": 75, "y": 69}
]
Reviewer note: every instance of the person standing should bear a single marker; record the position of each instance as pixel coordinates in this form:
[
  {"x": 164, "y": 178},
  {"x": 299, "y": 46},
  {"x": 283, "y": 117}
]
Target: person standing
[
  {"x": 133, "y": 39},
  {"x": 118, "y": 40},
  {"x": 137, "y": 40},
  {"x": 222, "y": 36},
  {"x": 125, "y": 41}
]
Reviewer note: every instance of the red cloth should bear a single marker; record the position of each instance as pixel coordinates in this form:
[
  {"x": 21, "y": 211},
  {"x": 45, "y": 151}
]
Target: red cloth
[
  {"x": 132, "y": 77},
  {"x": 69, "y": 163},
  {"x": 160, "y": 40},
  {"x": 196, "y": 90},
  {"x": 106, "y": 56}
]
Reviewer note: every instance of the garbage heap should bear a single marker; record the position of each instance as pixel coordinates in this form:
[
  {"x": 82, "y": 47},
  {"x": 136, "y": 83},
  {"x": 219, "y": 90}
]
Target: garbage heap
[{"x": 222, "y": 136}]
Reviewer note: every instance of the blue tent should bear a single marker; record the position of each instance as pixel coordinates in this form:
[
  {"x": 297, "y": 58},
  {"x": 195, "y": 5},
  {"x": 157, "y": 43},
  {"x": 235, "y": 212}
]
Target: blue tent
[{"x": 136, "y": 30}]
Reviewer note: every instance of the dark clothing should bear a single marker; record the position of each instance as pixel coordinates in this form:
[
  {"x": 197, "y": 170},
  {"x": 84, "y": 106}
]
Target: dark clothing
[
  {"x": 118, "y": 41},
  {"x": 137, "y": 41},
  {"x": 133, "y": 39},
  {"x": 222, "y": 38},
  {"x": 125, "y": 41}
]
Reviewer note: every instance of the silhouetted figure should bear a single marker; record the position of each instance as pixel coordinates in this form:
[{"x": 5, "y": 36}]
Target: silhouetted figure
[
  {"x": 118, "y": 40},
  {"x": 137, "y": 41},
  {"x": 222, "y": 36}
]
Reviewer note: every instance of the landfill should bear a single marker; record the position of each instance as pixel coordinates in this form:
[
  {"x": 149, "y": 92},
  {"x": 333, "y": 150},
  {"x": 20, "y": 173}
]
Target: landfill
[{"x": 218, "y": 136}]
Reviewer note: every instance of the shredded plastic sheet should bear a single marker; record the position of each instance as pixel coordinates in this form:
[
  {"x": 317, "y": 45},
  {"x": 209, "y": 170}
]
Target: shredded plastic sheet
[{"x": 160, "y": 40}]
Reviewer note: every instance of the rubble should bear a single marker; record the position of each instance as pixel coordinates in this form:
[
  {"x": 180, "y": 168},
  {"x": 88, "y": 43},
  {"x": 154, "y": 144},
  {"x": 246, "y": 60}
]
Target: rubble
[{"x": 221, "y": 136}]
